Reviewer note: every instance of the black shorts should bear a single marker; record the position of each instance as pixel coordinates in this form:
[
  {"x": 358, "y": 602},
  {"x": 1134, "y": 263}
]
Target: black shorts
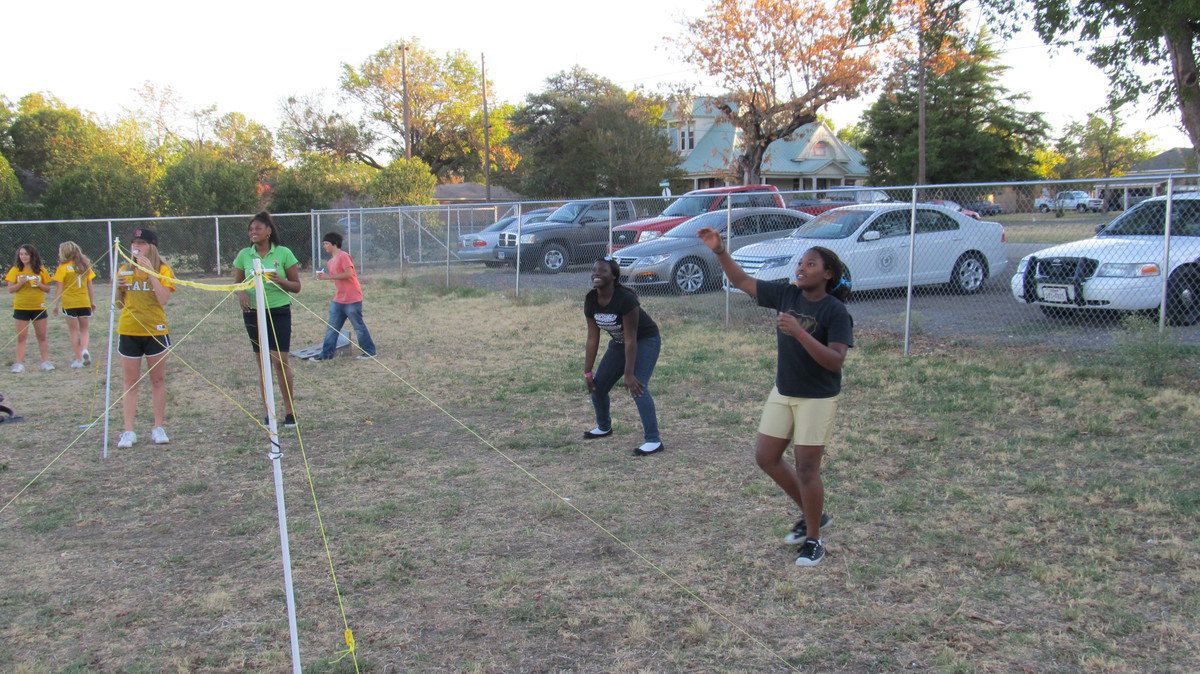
[
  {"x": 78, "y": 312},
  {"x": 279, "y": 328},
  {"x": 136, "y": 346},
  {"x": 29, "y": 314}
]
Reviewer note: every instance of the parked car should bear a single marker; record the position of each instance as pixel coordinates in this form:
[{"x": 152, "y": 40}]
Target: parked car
[
  {"x": 954, "y": 206},
  {"x": 1070, "y": 200},
  {"x": 1121, "y": 267},
  {"x": 681, "y": 262},
  {"x": 985, "y": 208},
  {"x": 577, "y": 231},
  {"x": 692, "y": 204},
  {"x": 873, "y": 240},
  {"x": 481, "y": 246},
  {"x": 837, "y": 197}
]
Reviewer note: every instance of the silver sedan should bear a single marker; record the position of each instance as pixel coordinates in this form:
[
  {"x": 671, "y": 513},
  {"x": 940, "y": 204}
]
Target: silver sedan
[
  {"x": 679, "y": 262},
  {"x": 480, "y": 246}
]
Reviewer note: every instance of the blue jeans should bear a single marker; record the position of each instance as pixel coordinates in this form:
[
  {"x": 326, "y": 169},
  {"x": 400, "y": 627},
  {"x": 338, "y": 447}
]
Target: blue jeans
[
  {"x": 338, "y": 313},
  {"x": 612, "y": 367}
]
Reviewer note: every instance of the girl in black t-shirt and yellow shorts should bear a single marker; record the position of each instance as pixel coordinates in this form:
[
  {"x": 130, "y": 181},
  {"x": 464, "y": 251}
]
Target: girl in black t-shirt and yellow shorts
[{"x": 814, "y": 332}]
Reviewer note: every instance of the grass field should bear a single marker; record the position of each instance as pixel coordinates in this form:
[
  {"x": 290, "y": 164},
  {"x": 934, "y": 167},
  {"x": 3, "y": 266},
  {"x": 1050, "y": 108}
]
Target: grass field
[
  {"x": 1046, "y": 228},
  {"x": 995, "y": 509}
]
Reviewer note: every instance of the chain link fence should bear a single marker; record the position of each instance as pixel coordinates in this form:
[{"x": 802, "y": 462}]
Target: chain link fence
[{"x": 1069, "y": 262}]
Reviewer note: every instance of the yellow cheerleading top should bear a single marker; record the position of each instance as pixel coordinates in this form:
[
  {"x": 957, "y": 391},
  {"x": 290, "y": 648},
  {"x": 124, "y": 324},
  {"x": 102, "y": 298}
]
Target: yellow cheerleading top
[
  {"x": 142, "y": 315},
  {"x": 29, "y": 297},
  {"x": 74, "y": 294}
]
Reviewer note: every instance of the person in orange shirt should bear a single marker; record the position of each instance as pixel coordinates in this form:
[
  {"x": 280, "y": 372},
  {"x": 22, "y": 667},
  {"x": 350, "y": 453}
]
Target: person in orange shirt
[
  {"x": 29, "y": 281},
  {"x": 143, "y": 333},
  {"x": 74, "y": 297}
]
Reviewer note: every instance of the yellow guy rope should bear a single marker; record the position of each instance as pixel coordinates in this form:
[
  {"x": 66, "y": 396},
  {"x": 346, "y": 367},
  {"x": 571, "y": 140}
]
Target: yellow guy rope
[{"x": 570, "y": 505}]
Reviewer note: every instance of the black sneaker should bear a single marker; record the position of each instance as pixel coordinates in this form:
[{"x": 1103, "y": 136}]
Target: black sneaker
[
  {"x": 811, "y": 553},
  {"x": 289, "y": 421},
  {"x": 596, "y": 433},
  {"x": 800, "y": 529}
]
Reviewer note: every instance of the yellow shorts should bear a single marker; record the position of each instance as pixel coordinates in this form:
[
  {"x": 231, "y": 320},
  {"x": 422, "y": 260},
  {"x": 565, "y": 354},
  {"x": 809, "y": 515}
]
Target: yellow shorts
[{"x": 807, "y": 421}]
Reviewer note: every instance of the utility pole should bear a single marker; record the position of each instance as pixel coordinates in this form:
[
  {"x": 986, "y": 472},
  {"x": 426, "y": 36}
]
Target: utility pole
[
  {"x": 487, "y": 124},
  {"x": 404, "y": 84}
]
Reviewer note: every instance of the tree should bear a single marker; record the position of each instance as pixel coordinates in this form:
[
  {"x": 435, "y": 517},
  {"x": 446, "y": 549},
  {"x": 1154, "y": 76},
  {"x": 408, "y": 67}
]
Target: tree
[
  {"x": 10, "y": 189},
  {"x": 104, "y": 187},
  {"x": 247, "y": 142},
  {"x": 584, "y": 136},
  {"x": 49, "y": 139},
  {"x": 980, "y": 133},
  {"x": 1145, "y": 48},
  {"x": 780, "y": 62},
  {"x": 204, "y": 182},
  {"x": 1097, "y": 148},
  {"x": 316, "y": 182},
  {"x": 404, "y": 182}
]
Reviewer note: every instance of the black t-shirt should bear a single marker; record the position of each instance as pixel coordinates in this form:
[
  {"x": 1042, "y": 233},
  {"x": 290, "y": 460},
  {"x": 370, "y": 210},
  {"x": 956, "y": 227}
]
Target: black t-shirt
[
  {"x": 608, "y": 317},
  {"x": 797, "y": 375}
]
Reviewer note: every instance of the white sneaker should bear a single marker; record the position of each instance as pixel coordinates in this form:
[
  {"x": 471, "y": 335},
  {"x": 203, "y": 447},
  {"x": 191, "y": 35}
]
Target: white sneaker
[
  {"x": 47, "y": 365},
  {"x": 159, "y": 435},
  {"x": 77, "y": 363},
  {"x": 18, "y": 367},
  {"x": 87, "y": 357},
  {"x": 127, "y": 439}
]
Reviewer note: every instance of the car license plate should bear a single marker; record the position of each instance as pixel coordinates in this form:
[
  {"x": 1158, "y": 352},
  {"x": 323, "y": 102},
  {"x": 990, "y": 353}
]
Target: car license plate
[
  {"x": 499, "y": 255},
  {"x": 1053, "y": 294}
]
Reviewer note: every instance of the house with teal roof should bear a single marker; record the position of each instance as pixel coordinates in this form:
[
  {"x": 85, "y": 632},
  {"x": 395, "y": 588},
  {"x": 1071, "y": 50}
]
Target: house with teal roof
[{"x": 812, "y": 158}]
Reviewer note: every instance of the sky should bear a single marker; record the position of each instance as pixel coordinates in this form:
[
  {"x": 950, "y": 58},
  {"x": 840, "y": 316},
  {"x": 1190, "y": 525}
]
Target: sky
[{"x": 248, "y": 56}]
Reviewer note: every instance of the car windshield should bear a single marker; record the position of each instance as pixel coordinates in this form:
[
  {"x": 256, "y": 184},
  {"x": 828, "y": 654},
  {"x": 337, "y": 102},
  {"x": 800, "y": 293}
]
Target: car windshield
[
  {"x": 1146, "y": 219},
  {"x": 499, "y": 224},
  {"x": 835, "y": 224},
  {"x": 688, "y": 229},
  {"x": 568, "y": 212},
  {"x": 687, "y": 207}
]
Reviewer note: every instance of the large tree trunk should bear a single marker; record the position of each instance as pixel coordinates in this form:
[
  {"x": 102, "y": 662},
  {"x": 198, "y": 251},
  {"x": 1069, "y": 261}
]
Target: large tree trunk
[
  {"x": 751, "y": 161},
  {"x": 1180, "y": 47}
]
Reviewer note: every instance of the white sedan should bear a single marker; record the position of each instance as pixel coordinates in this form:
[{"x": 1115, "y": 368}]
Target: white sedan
[
  {"x": 1121, "y": 268},
  {"x": 873, "y": 242}
]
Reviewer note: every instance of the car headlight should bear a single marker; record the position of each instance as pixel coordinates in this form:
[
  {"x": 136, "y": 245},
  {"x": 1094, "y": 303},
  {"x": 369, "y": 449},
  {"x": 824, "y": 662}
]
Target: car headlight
[
  {"x": 647, "y": 235},
  {"x": 653, "y": 259},
  {"x": 528, "y": 238},
  {"x": 1023, "y": 265},
  {"x": 1128, "y": 269},
  {"x": 771, "y": 263}
]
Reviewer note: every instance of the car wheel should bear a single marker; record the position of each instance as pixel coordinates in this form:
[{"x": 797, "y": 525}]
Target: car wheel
[
  {"x": 553, "y": 258},
  {"x": 1044, "y": 208},
  {"x": 1183, "y": 296},
  {"x": 969, "y": 274},
  {"x": 689, "y": 276},
  {"x": 1082, "y": 208}
]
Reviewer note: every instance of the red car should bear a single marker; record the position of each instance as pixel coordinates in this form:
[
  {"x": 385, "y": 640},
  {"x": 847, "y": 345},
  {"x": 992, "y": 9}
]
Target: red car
[{"x": 690, "y": 205}]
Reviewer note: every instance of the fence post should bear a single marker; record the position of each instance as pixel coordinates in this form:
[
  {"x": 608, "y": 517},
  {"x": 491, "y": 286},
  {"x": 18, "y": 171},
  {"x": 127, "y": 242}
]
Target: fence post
[
  {"x": 217, "y": 233},
  {"x": 912, "y": 236},
  {"x": 420, "y": 239},
  {"x": 610, "y": 226},
  {"x": 400, "y": 232},
  {"x": 517, "y": 290},
  {"x": 728, "y": 241},
  {"x": 362, "y": 234},
  {"x": 313, "y": 233},
  {"x": 447, "y": 245},
  {"x": 1165, "y": 269},
  {"x": 112, "y": 305}
]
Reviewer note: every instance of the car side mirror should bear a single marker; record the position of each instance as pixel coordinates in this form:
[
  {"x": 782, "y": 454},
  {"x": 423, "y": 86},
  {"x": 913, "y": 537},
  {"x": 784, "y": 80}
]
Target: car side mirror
[
  {"x": 871, "y": 236},
  {"x": 1100, "y": 227}
]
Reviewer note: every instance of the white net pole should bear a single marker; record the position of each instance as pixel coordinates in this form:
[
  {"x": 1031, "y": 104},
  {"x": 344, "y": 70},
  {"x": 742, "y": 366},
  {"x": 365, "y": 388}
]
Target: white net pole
[
  {"x": 276, "y": 455},
  {"x": 112, "y": 309}
]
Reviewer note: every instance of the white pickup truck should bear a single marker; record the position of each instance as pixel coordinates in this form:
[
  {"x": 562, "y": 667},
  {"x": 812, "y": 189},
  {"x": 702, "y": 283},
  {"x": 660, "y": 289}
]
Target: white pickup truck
[{"x": 1073, "y": 200}]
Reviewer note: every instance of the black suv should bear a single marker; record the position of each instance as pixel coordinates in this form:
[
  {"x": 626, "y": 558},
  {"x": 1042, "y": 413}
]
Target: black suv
[{"x": 575, "y": 232}]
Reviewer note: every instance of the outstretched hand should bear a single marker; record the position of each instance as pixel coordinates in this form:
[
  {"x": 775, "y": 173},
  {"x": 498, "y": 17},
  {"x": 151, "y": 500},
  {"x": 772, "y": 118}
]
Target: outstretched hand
[{"x": 711, "y": 238}]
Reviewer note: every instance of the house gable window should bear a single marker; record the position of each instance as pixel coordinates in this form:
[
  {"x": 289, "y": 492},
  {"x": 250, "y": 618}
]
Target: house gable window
[
  {"x": 687, "y": 136},
  {"x": 820, "y": 149}
]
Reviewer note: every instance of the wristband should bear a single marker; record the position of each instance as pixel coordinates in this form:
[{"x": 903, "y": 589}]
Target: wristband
[{"x": 587, "y": 375}]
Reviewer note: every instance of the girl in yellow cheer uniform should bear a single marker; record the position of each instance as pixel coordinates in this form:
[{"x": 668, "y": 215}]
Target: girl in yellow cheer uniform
[
  {"x": 74, "y": 278},
  {"x": 143, "y": 332},
  {"x": 28, "y": 280}
]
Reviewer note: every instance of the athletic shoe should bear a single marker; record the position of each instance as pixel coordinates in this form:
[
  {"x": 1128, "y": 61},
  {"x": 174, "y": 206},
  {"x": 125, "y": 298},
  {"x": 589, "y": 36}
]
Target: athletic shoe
[
  {"x": 289, "y": 421},
  {"x": 800, "y": 530},
  {"x": 365, "y": 356},
  {"x": 648, "y": 448},
  {"x": 811, "y": 553},
  {"x": 127, "y": 439},
  {"x": 596, "y": 433},
  {"x": 159, "y": 435},
  {"x": 87, "y": 357},
  {"x": 18, "y": 367},
  {"x": 77, "y": 363},
  {"x": 47, "y": 365}
]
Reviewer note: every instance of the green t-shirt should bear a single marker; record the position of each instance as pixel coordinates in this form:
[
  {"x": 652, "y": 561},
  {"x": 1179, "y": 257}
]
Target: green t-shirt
[{"x": 279, "y": 259}]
